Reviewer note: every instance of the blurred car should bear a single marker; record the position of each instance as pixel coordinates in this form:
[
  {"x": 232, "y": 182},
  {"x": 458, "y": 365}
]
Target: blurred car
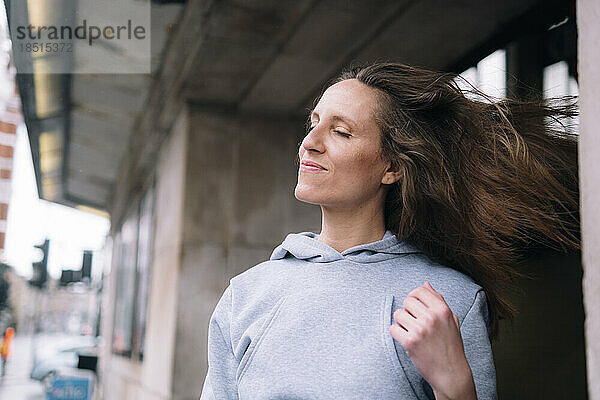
[{"x": 52, "y": 354}]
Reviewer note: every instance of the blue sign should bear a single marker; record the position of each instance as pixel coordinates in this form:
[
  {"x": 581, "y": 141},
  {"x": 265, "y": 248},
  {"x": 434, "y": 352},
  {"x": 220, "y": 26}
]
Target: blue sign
[{"x": 69, "y": 388}]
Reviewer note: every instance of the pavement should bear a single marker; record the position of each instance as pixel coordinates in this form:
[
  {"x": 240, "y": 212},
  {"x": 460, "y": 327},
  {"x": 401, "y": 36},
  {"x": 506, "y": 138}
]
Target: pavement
[{"x": 16, "y": 385}]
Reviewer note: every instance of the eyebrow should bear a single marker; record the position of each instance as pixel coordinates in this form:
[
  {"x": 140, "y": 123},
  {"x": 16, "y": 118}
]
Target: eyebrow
[{"x": 336, "y": 118}]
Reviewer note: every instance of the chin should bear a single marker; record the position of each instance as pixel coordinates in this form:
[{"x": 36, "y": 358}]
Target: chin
[{"x": 306, "y": 195}]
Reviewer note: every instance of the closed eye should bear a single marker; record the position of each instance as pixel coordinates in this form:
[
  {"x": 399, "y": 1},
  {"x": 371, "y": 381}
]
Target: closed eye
[{"x": 341, "y": 133}]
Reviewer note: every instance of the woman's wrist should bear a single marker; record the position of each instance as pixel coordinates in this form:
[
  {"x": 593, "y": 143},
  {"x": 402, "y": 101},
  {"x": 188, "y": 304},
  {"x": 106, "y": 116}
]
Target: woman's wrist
[{"x": 461, "y": 387}]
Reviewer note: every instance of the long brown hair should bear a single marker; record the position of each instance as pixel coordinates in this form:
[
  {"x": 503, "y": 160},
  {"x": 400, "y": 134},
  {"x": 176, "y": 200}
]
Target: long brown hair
[{"x": 485, "y": 182}]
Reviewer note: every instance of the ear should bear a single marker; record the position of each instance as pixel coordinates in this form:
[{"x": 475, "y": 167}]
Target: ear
[{"x": 391, "y": 176}]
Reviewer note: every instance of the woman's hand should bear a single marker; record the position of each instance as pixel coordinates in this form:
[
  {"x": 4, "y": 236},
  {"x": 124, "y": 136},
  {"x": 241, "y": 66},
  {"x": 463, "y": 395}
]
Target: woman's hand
[{"x": 430, "y": 333}]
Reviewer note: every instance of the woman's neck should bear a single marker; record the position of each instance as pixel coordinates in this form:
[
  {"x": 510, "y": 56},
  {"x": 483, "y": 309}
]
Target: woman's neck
[{"x": 342, "y": 229}]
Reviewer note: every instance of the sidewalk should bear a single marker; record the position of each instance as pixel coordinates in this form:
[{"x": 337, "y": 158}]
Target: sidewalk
[{"x": 16, "y": 385}]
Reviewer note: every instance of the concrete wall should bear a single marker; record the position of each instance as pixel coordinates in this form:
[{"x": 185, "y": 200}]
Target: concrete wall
[
  {"x": 152, "y": 378},
  {"x": 541, "y": 355},
  {"x": 239, "y": 205},
  {"x": 224, "y": 200},
  {"x": 588, "y": 15}
]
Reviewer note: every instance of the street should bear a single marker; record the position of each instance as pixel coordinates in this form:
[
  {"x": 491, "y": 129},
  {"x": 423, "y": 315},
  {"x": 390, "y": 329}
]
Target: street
[{"x": 16, "y": 385}]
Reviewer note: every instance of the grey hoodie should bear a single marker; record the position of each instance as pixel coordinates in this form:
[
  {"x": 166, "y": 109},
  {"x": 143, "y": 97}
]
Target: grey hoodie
[{"x": 313, "y": 323}]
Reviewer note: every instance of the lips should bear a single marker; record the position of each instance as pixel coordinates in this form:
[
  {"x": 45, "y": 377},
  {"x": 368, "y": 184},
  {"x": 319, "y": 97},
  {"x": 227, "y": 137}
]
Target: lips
[{"x": 311, "y": 164}]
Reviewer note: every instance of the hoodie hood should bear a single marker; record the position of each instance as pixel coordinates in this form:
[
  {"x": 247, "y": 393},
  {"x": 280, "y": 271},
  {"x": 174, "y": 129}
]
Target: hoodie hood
[{"x": 306, "y": 246}]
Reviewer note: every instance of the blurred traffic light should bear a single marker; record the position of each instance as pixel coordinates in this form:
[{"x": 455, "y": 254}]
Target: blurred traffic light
[
  {"x": 69, "y": 276},
  {"x": 4, "y": 285},
  {"x": 40, "y": 268},
  {"x": 86, "y": 266},
  {"x": 83, "y": 275}
]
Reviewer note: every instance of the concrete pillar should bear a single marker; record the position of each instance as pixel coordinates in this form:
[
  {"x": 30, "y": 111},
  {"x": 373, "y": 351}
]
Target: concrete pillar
[
  {"x": 239, "y": 204},
  {"x": 533, "y": 358},
  {"x": 588, "y": 15},
  {"x": 525, "y": 67},
  {"x": 541, "y": 355}
]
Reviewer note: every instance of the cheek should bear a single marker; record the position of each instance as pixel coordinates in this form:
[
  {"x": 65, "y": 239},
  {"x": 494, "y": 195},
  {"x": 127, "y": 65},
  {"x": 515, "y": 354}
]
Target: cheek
[
  {"x": 364, "y": 164},
  {"x": 368, "y": 170}
]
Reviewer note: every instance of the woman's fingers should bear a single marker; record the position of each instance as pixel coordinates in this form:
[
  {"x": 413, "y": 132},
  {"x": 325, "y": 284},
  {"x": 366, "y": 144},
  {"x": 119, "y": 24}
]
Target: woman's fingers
[
  {"x": 399, "y": 334},
  {"x": 428, "y": 286},
  {"x": 403, "y": 327},
  {"x": 429, "y": 332},
  {"x": 429, "y": 297},
  {"x": 427, "y": 309},
  {"x": 456, "y": 323},
  {"x": 403, "y": 318},
  {"x": 425, "y": 305},
  {"x": 415, "y": 307}
]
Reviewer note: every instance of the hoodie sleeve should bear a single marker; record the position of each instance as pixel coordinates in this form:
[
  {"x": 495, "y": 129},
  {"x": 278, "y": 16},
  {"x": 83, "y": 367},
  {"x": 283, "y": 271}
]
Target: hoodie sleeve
[
  {"x": 478, "y": 349},
  {"x": 220, "y": 382}
]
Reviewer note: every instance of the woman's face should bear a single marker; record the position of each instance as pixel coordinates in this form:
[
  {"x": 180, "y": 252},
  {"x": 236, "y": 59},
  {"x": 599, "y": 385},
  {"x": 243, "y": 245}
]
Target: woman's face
[{"x": 345, "y": 141}]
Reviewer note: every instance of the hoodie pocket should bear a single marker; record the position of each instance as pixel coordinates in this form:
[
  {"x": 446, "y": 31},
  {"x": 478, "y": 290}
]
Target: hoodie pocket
[
  {"x": 325, "y": 344},
  {"x": 399, "y": 360},
  {"x": 255, "y": 342}
]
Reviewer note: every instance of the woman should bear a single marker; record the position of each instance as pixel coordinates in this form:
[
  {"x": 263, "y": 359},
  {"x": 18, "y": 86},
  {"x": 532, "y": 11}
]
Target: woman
[
  {"x": 429, "y": 200},
  {"x": 5, "y": 346}
]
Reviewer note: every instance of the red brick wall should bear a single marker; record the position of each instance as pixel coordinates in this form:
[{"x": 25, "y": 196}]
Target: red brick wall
[{"x": 9, "y": 118}]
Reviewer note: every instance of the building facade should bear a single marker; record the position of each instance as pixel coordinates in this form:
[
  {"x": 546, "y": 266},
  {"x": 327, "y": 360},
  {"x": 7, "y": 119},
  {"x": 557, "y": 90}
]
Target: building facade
[
  {"x": 198, "y": 177},
  {"x": 10, "y": 115}
]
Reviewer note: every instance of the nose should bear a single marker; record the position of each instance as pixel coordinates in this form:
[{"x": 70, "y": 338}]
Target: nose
[{"x": 314, "y": 140}]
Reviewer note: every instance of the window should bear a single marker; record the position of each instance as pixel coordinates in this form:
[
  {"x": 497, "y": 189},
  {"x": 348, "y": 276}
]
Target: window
[
  {"x": 125, "y": 285},
  {"x": 143, "y": 273},
  {"x": 558, "y": 83},
  {"x": 489, "y": 75},
  {"x": 133, "y": 258}
]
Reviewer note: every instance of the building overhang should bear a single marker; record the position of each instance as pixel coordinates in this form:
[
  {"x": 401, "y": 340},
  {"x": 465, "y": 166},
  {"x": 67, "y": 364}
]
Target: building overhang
[
  {"x": 252, "y": 57},
  {"x": 79, "y": 125}
]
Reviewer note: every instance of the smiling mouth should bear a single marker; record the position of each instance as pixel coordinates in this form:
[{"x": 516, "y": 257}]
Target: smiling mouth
[{"x": 309, "y": 166}]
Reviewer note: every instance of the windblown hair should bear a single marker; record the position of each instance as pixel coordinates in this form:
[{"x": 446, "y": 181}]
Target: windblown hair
[{"x": 485, "y": 183}]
